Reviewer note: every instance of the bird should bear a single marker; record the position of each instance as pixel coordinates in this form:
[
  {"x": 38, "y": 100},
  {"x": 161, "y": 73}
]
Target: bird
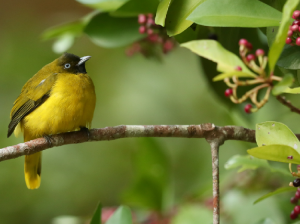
[{"x": 58, "y": 98}]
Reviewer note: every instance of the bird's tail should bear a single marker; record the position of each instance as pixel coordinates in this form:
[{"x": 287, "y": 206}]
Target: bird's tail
[{"x": 32, "y": 169}]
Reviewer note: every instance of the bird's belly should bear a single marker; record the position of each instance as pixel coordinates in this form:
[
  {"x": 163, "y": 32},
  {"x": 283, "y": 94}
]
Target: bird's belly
[{"x": 69, "y": 107}]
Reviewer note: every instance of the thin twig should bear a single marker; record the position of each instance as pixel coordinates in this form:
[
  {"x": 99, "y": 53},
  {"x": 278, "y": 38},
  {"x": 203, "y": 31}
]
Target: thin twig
[
  {"x": 287, "y": 103},
  {"x": 215, "y": 142}
]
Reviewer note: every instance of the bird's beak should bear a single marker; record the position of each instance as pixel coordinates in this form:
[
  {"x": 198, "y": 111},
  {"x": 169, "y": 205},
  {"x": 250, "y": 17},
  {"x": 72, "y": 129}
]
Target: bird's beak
[{"x": 83, "y": 60}]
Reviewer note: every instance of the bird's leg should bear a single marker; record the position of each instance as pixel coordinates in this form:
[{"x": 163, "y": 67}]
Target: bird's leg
[
  {"x": 48, "y": 139},
  {"x": 85, "y": 130}
]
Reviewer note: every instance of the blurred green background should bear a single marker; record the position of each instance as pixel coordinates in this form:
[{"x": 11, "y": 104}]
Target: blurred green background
[{"x": 131, "y": 91}]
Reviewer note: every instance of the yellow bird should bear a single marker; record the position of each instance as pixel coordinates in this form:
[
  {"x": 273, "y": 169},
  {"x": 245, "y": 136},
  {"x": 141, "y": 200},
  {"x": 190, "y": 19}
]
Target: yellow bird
[{"x": 59, "y": 98}]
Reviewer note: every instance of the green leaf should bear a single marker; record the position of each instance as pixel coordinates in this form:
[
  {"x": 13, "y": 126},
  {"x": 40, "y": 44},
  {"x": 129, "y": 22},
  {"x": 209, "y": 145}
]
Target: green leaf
[
  {"x": 248, "y": 162},
  {"x": 293, "y": 90},
  {"x": 279, "y": 153},
  {"x": 161, "y": 12},
  {"x": 242, "y": 13},
  {"x": 107, "y": 31},
  {"x": 121, "y": 216},
  {"x": 214, "y": 51},
  {"x": 63, "y": 43},
  {"x": 281, "y": 86},
  {"x": 178, "y": 11},
  {"x": 277, "y": 191},
  {"x": 290, "y": 57},
  {"x": 103, "y": 5},
  {"x": 188, "y": 35},
  {"x": 271, "y": 132},
  {"x": 279, "y": 41},
  {"x": 73, "y": 28},
  {"x": 231, "y": 74},
  {"x": 96, "y": 219},
  {"x": 136, "y": 7},
  {"x": 271, "y": 34}
]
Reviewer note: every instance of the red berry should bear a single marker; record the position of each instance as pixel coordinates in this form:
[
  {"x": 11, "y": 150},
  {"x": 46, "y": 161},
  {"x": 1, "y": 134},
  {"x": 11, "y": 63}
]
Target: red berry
[
  {"x": 290, "y": 33},
  {"x": 293, "y": 215},
  {"x": 168, "y": 45},
  {"x": 150, "y": 22},
  {"x": 298, "y": 41},
  {"x": 228, "y": 92},
  {"x": 294, "y": 28},
  {"x": 296, "y": 183},
  {"x": 150, "y": 15},
  {"x": 297, "y": 194},
  {"x": 142, "y": 29},
  {"x": 296, "y": 22},
  {"x": 297, "y": 209},
  {"x": 153, "y": 37},
  {"x": 247, "y": 108},
  {"x": 243, "y": 42},
  {"x": 259, "y": 52},
  {"x": 238, "y": 68},
  {"x": 150, "y": 31},
  {"x": 249, "y": 46},
  {"x": 296, "y": 14},
  {"x": 294, "y": 200},
  {"x": 288, "y": 40},
  {"x": 142, "y": 18},
  {"x": 250, "y": 57},
  {"x": 298, "y": 189}
]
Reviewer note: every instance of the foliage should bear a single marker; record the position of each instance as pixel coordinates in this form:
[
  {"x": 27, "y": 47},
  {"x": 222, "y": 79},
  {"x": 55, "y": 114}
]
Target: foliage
[{"x": 210, "y": 29}]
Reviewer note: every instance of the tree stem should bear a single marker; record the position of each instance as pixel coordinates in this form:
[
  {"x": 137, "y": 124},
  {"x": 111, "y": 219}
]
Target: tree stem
[{"x": 214, "y": 145}]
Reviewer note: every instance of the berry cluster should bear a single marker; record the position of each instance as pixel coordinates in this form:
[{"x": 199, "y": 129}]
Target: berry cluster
[
  {"x": 294, "y": 200},
  {"x": 256, "y": 62},
  {"x": 156, "y": 38},
  {"x": 294, "y": 31}
]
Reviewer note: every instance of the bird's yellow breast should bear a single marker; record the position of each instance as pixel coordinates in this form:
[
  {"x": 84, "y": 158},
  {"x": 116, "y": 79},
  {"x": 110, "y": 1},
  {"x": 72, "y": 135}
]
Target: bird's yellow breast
[{"x": 70, "y": 106}]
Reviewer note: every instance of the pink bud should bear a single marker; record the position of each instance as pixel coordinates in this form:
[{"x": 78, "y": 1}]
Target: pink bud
[
  {"x": 298, "y": 41},
  {"x": 228, "y": 92},
  {"x": 142, "y": 29},
  {"x": 294, "y": 27},
  {"x": 142, "y": 18},
  {"x": 247, "y": 108},
  {"x": 250, "y": 57},
  {"x": 238, "y": 68},
  {"x": 243, "y": 42},
  {"x": 296, "y": 14},
  {"x": 168, "y": 46},
  {"x": 288, "y": 40},
  {"x": 259, "y": 52}
]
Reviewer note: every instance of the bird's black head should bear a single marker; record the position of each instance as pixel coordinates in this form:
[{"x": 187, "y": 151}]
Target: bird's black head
[{"x": 71, "y": 63}]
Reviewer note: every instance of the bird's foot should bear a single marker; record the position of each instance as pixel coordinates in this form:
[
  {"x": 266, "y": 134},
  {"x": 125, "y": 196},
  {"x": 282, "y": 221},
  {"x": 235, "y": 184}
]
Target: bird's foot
[
  {"x": 85, "y": 130},
  {"x": 48, "y": 139}
]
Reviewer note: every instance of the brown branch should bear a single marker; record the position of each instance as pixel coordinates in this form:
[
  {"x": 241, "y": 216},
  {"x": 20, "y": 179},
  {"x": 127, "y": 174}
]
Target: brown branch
[
  {"x": 213, "y": 134},
  {"x": 214, "y": 145},
  {"x": 127, "y": 131},
  {"x": 287, "y": 103}
]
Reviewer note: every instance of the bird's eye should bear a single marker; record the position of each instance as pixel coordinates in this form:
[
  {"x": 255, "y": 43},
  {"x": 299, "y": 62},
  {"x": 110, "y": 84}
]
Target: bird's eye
[{"x": 68, "y": 65}]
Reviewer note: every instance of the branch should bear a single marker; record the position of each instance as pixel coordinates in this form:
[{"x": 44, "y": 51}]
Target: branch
[
  {"x": 128, "y": 131},
  {"x": 287, "y": 103},
  {"x": 214, "y": 145}
]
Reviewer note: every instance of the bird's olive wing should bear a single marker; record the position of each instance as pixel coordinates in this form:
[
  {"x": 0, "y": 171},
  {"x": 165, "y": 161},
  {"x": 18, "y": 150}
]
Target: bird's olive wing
[{"x": 33, "y": 95}]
